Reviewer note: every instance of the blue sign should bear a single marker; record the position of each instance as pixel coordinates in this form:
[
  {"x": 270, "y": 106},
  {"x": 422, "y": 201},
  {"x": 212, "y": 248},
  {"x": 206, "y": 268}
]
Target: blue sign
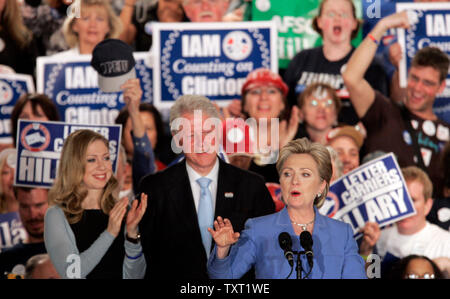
[
  {"x": 72, "y": 84},
  {"x": 12, "y": 86},
  {"x": 39, "y": 146},
  {"x": 431, "y": 29},
  {"x": 12, "y": 231},
  {"x": 209, "y": 59},
  {"x": 375, "y": 192}
]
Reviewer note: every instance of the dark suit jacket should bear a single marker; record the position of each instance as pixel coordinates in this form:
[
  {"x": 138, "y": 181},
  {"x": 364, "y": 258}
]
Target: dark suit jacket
[{"x": 170, "y": 235}]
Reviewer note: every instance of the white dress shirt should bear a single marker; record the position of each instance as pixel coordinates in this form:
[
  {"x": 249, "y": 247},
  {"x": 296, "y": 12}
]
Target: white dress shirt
[{"x": 213, "y": 175}]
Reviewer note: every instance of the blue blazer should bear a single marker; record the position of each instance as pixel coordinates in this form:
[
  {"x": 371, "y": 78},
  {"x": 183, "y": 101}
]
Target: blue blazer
[{"x": 335, "y": 250}]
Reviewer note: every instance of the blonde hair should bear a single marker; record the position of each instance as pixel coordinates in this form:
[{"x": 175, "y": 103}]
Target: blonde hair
[
  {"x": 320, "y": 155},
  {"x": 69, "y": 191},
  {"x": 115, "y": 24},
  {"x": 414, "y": 173},
  {"x": 12, "y": 22}
]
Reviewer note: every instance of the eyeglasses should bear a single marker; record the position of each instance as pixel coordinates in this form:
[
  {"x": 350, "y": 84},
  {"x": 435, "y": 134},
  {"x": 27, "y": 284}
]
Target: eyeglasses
[
  {"x": 260, "y": 90},
  {"x": 415, "y": 276},
  {"x": 333, "y": 14},
  {"x": 326, "y": 104}
]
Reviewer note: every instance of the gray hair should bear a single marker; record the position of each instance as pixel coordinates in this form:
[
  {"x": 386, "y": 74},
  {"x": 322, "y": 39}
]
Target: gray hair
[
  {"x": 320, "y": 155},
  {"x": 187, "y": 104}
]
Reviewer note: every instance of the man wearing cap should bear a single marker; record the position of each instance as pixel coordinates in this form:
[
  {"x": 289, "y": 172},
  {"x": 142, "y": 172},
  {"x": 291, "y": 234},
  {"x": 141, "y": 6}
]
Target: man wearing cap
[
  {"x": 413, "y": 131},
  {"x": 347, "y": 142},
  {"x": 186, "y": 197}
]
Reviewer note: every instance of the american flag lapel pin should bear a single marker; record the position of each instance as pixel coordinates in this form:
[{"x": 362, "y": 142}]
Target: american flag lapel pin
[{"x": 229, "y": 195}]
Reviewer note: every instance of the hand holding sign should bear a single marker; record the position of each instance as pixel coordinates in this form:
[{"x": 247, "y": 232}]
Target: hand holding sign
[
  {"x": 397, "y": 20},
  {"x": 371, "y": 233}
]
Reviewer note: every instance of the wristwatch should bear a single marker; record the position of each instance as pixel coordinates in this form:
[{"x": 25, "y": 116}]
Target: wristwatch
[{"x": 133, "y": 240}]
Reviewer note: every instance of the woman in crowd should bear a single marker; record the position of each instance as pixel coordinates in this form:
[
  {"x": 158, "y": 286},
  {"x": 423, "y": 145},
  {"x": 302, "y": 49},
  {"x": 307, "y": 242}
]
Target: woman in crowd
[
  {"x": 96, "y": 22},
  {"x": 264, "y": 99},
  {"x": 84, "y": 232},
  {"x": 415, "y": 267},
  {"x": 18, "y": 50},
  {"x": 337, "y": 24},
  {"x": 33, "y": 106},
  {"x": 319, "y": 108},
  {"x": 305, "y": 172}
]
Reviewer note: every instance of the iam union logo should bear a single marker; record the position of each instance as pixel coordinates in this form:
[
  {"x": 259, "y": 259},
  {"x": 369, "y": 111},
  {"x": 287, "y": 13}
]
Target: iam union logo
[
  {"x": 35, "y": 137},
  {"x": 237, "y": 45}
]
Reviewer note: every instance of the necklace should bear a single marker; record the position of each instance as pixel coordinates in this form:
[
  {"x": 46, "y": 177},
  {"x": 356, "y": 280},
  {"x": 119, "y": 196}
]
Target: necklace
[{"x": 304, "y": 225}]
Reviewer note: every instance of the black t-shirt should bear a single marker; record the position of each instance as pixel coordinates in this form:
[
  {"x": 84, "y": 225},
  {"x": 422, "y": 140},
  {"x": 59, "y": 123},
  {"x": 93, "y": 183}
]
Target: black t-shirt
[
  {"x": 310, "y": 66},
  {"x": 386, "y": 131},
  {"x": 18, "y": 256},
  {"x": 86, "y": 231}
]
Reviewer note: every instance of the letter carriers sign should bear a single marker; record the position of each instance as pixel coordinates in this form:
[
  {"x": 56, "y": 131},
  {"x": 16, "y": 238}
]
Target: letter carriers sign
[{"x": 375, "y": 192}]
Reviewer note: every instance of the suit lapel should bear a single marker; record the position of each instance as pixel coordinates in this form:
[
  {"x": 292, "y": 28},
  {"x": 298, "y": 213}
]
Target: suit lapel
[
  {"x": 225, "y": 191},
  {"x": 181, "y": 195}
]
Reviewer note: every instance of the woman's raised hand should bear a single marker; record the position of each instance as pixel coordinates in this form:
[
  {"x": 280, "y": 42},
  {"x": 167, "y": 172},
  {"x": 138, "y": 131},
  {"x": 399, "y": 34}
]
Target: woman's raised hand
[
  {"x": 135, "y": 215},
  {"x": 223, "y": 235}
]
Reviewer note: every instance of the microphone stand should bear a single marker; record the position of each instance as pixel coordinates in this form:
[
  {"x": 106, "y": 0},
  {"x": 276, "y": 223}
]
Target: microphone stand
[{"x": 299, "y": 267}]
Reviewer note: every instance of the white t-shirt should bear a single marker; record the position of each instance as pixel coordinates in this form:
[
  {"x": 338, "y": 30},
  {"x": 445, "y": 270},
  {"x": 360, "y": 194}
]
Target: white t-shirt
[{"x": 432, "y": 242}]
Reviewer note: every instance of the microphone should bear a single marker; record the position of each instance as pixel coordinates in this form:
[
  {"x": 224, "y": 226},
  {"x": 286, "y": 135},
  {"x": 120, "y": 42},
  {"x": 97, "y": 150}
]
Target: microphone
[
  {"x": 307, "y": 242},
  {"x": 286, "y": 244}
]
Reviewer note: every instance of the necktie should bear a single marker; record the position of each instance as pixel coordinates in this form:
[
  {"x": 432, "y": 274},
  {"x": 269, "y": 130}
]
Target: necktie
[{"x": 205, "y": 213}]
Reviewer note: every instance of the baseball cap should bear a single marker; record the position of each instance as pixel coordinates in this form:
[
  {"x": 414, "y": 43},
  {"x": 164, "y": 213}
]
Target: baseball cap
[
  {"x": 348, "y": 131},
  {"x": 114, "y": 62},
  {"x": 264, "y": 76}
]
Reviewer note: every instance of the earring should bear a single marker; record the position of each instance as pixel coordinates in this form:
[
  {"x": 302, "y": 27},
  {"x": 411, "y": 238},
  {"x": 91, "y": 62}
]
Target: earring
[{"x": 319, "y": 195}]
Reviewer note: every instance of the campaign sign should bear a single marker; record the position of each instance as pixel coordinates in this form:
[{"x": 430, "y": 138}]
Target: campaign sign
[
  {"x": 375, "y": 192},
  {"x": 12, "y": 231},
  {"x": 72, "y": 84},
  {"x": 39, "y": 146},
  {"x": 431, "y": 29},
  {"x": 209, "y": 59},
  {"x": 12, "y": 86}
]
